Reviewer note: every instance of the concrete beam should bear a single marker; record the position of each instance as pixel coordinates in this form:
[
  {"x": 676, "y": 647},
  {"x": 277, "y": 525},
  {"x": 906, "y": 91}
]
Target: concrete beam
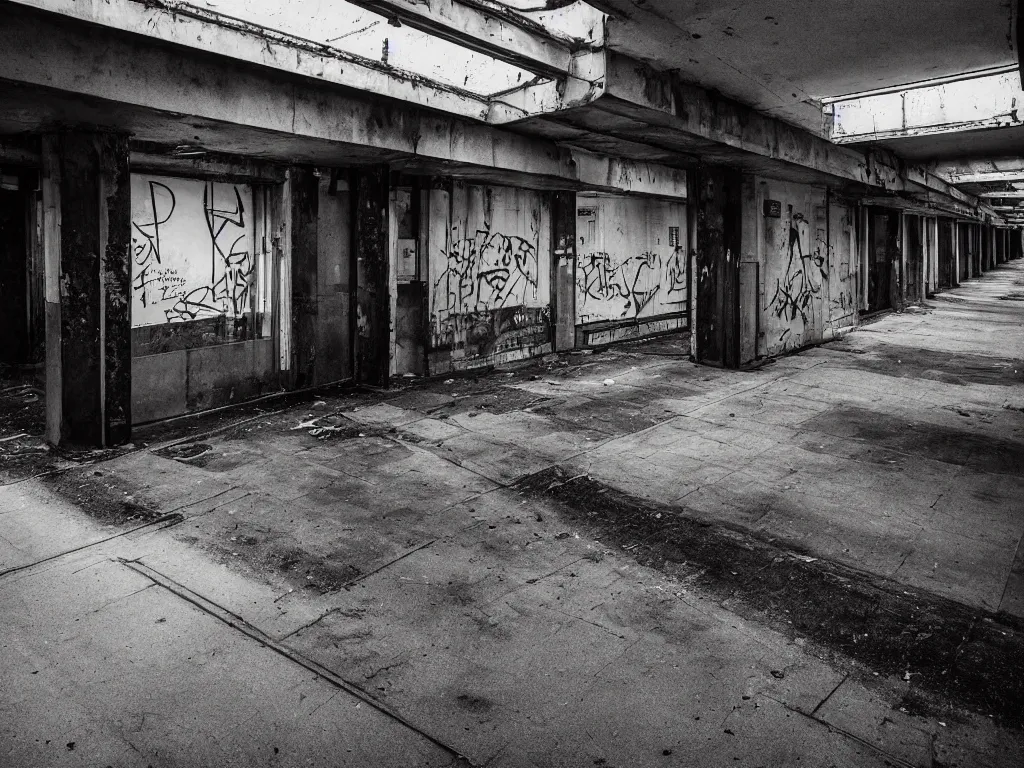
[
  {"x": 973, "y": 171},
  {"x": 102, "y": 77},
  {"x": 642, "y": 93},
  {"x": 602, "y": 173},
  {"x": 583, "y": 84},
  {"x": 638, "y": 92},
  {"x": 488, "y": 27},
  {"x": 984, "y": 101},
  {"x": 70, "y": 60},
  {"x": 199, "y": 29},
  {"x": 987, "y": 177}
]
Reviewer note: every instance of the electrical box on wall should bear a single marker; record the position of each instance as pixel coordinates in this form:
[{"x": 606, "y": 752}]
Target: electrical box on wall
[{"x": 773, "y": 209}]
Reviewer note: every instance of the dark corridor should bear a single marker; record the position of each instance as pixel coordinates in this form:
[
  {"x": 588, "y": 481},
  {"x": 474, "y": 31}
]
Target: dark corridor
[{"x": 14, "y": 342}]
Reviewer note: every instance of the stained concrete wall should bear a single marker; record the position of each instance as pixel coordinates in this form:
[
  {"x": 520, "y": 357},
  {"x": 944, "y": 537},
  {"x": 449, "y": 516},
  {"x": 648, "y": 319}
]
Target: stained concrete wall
[
  {"x": 489, "y": 275},
  {"x": 631, "y": 271},
  {"x": 807, "y": 265}
]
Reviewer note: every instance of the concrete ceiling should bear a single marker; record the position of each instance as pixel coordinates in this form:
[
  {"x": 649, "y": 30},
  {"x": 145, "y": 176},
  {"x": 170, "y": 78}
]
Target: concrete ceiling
[{"x": 783, "y": 58}]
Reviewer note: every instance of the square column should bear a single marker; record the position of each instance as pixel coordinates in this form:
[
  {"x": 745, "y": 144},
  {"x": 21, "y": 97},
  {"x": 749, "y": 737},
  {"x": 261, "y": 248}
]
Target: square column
[
  {"x": 372, "y": 250},
  {"x": 86, "y": 245}
]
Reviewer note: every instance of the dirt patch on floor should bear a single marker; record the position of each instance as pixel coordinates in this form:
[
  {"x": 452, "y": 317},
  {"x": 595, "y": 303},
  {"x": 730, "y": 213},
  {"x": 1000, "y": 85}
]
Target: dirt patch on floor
[
  {"x": 102, "y": 496},
  {"x": 612, "y": 416},
  {"x": 930, "y": 441},
  {"x": 265, "y": 551},
  {"x": 949, "y": 368},
  {"x": 951, "y": 655},
  {"x": 498, "y": 400}
]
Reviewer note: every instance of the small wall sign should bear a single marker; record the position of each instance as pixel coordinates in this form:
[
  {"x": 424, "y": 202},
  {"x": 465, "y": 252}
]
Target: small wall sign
[{"x": 773, "y": 209}]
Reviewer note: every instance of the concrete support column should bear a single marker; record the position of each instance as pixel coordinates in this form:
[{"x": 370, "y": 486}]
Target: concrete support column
[
  {"x": 87, "y": 238},
  {"x": 563, "y": 269},
  {"x": 904, "y": 276},
  {"x": 372, "y": 270},
  {"x": 979, "y": 250},
  {"x": 956, "y": 253},
  {"x": 304, "y": 217},
  {"x": 970, "y": 251},
  {"x": 864, "y": 257},
  {"x": 926, "y": 256}
]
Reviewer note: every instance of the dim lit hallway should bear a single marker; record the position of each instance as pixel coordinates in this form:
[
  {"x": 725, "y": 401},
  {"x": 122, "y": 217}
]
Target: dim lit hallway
[{"x": 616, "y": 558}]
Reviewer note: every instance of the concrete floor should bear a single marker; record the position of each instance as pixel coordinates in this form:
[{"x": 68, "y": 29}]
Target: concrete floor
[{"x": 370, "y": 580}]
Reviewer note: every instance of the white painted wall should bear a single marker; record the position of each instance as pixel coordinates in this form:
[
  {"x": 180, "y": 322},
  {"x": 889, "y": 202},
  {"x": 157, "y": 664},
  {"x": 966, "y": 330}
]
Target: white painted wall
[{"x": 192, "y": 249}]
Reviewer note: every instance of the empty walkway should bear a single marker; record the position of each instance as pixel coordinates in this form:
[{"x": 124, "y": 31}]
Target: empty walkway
[{"x": 608, "y": 559}]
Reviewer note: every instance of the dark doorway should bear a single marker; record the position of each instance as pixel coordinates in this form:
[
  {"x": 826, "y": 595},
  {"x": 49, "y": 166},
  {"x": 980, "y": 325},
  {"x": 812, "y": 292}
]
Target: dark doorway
[
  {"x": 22, "y": 320},
  {"x": 964, "y": 240},
  {"x": 883, "y": 260},
  {"x": 946, "y": 260},
  {"x": 14, "y": 265},
  {"x": 716, "y": 264}
]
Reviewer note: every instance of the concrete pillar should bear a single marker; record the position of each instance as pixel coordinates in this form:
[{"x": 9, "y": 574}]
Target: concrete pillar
[
  {"x": 956, "y": 253},
  {"x": 865, "y": 256},
  {"x": 970, "y": 251},
  {"x": 87, "y": 237},
  {"x": 373, "y": 272},
  {"x": 926, "y": 256},
  {"x": 904, "y": 241},
  {"x": 305, "y": 196},
  {"x": 563, "y": 269}
]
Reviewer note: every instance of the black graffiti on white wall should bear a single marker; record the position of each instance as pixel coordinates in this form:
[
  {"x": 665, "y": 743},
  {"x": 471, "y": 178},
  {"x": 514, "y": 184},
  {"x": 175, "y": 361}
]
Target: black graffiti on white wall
[
  {"x": 797, "y": 289},
  {"x": 146, "y": 252},
  {"x": 227, "y": 290},
  {"x": 629, "y": 286},
  {"x": 489, "y": 270}
]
